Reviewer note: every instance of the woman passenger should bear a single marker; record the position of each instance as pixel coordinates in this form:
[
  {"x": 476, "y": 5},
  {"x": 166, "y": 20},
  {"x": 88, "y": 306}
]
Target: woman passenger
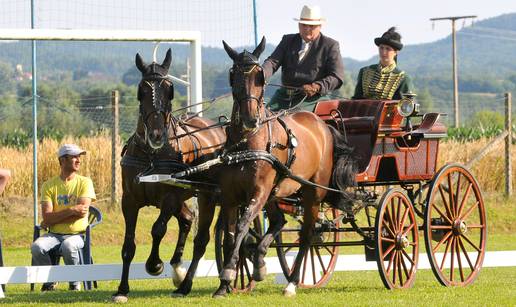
[{"x": 384, "y": 80}]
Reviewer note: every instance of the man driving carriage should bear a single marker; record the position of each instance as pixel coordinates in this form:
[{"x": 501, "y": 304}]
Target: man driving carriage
[{"x": 310, "y": 62}]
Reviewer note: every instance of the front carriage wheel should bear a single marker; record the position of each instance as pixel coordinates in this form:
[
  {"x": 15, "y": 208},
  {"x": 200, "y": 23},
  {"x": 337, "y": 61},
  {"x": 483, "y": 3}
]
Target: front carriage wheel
[
  {"x": 320, "y": 260},
  {"x": 244, "y": 281},
  {"x": 396, "y": 238},
  {"x": 455, "y": 226}
]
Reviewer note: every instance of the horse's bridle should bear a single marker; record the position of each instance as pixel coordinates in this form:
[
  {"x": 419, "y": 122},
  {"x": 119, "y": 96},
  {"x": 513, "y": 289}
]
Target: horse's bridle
[
  {"x": 162, "y": 105},
  {"x": 241, "y": 68}
]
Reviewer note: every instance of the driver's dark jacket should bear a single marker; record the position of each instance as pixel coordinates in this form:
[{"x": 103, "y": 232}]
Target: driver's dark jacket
[{"x": 322, "y": 64}]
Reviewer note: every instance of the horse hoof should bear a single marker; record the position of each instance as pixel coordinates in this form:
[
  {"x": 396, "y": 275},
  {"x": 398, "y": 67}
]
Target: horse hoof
[
  {"x": 154, "y": 270},
  {"x": 119, "y": 299},
  {"x": 228, "y": 274},
  {"x": 219, "y": 294},
  {"x": 178, "y": 274},
  {"x": 259, "y": 273},
  {"x": 177, "y": 294},
  {"x": 290, "y": 290}
]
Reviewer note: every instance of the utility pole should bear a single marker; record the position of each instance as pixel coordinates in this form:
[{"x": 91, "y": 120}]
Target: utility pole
[{"x": 454, "y": 59}]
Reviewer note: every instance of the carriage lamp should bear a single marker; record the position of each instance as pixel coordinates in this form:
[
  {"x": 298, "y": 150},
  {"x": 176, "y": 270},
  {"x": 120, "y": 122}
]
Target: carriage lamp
[{"x": 407, "y": 105}]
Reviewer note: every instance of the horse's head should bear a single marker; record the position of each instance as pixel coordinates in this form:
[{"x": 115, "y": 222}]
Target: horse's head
[
  {"x": 155, "y": 93},
  {"x": 248, "y": 82}
]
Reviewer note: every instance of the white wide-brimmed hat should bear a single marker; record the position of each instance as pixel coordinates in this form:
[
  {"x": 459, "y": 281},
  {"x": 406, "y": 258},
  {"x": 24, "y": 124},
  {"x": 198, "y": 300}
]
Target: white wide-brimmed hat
[{"x": 311, "y": 15}]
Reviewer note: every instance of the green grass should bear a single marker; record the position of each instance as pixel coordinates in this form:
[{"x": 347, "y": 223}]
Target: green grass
[{"x": 494, "y": 287}]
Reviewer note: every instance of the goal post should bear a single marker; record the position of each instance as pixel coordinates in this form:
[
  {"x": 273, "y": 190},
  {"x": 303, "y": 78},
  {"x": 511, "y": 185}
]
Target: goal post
[
  {"x": 39, "y": 34},
  {"x": 192, "y": 37}
]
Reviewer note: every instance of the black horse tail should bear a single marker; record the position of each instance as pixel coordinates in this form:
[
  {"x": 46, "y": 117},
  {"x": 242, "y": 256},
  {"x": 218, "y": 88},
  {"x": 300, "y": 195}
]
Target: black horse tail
[{"x": 344, "y": 163}]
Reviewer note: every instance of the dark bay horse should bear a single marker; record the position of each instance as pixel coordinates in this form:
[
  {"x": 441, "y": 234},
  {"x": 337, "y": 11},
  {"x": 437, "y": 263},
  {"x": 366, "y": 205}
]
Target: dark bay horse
[
  {"x": 304, "y": 146},
  {"x": 164, "y": 144}
]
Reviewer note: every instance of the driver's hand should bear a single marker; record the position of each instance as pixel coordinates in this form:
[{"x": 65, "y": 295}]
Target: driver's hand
[{"x": 311, "y": 89}]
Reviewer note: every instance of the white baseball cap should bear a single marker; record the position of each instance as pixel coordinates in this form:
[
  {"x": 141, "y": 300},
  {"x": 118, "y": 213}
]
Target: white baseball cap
[
  {"x": 311, "y": 15},
  {"x": 71, "y": 150}
]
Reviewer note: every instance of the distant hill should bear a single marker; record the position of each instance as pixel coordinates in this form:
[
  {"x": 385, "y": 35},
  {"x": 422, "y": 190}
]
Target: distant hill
[{"x": 487, "y": 48}]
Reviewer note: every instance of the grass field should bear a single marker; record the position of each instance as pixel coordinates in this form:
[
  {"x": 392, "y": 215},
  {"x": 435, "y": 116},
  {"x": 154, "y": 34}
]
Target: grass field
[{"x": 494, "y": 287}]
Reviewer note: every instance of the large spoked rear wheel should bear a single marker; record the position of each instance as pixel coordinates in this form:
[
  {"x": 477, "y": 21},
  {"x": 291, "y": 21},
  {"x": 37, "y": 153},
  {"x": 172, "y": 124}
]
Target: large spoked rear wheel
[
  {"x": 320, "y": 260},
  {"x": 396, "y": 238},
  {"x": 244, "y": 281},
  {"x": 455, "y": 226}
]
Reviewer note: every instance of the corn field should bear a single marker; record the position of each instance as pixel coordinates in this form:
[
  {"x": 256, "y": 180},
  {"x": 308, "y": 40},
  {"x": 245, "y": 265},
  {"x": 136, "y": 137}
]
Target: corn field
[{"x": 97, "y": 163}]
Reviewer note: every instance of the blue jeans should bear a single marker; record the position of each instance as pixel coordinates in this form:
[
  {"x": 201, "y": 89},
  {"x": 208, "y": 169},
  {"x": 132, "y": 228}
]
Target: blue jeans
[{"x": 68, "y": 246}]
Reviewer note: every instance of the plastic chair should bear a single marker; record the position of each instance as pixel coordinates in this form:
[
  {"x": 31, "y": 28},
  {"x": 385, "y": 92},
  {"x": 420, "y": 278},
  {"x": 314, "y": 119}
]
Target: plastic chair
[
  {"x": 1, "y": 260},
  {"x": 94, "y": 218}
]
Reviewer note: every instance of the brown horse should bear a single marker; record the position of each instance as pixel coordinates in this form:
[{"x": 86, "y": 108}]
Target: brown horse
[
  {"x": 290, "y": 150},
  {"x": 164, "y": 144}
]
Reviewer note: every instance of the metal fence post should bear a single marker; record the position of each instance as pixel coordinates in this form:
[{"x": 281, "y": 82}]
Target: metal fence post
[
  {"x": 115, "y": 97},
  {"x": 508, "y": 144}
]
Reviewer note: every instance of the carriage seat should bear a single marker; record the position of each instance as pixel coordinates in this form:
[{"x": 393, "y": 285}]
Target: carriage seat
[{"x": 361, "y": 119}]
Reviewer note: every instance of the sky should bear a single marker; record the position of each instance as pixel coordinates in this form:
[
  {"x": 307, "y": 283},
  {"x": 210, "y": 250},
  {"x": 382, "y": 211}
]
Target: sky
[{"x": 355, "y": 24}]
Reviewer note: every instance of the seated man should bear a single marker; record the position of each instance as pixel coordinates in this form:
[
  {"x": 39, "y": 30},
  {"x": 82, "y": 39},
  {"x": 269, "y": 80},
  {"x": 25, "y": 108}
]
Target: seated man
[
  {"x": 65, "y": 201},
  {"x": 5, "y": 175},
  {"x": 311, "y": 64}
]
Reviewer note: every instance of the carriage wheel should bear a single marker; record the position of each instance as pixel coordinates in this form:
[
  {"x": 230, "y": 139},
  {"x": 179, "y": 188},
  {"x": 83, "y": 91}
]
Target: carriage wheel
[
  {"x": 320, "y": 260},
  {"x": 396, "y": 238},
  {"x": 244, "y": 281},
  {"x": 455, "y": 226}
]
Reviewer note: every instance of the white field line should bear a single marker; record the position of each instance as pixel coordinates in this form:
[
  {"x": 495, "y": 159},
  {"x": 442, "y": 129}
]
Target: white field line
[{"x": 40, "y": 274}]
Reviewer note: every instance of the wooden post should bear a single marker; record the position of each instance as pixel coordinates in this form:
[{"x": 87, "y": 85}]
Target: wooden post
[
  {"x": 508, "y": 144},
  {"x": 115, "y": 161}
]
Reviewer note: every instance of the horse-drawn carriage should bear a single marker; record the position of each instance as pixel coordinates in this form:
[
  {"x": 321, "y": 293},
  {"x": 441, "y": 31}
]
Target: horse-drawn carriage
[
  {"x": 397, "y": 183},
  {"x": 357, "y": 172}
]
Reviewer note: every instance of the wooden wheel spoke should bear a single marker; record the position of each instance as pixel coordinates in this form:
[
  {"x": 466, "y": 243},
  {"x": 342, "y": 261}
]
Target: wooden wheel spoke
[
  {"x": 398, "y": 209},
  {"x": 440, "y": 227},
  {"x": 471, "y": 243},
  {"x": 464, "y": 199},
  {"x": 390, "y": 219},
  {"x": 305, "y": 261},
  {"x": 400, "y": 271},
  {"x": 470, "y": 210},
  {"x": 312, "y": 261},
  {"x": 459, "y": 260},
  {"x": 403, "y": 218},
  {"x": 409, "y": 228},
  {"x": 387, "y": 239},
  {"x": 404, "y": 266},
  {"x": 475, "y": 226},
  {"x": 395, "y": 267},
  {"x": 452, "y": 260},
  {"x": 329, "y": 250},
  {"x": 445, "y": 253},
  {"x": 391, "y": 260},
  {"x": 393, "y": 216},
  {"x": 408, "y": 257},
  {"x": 450, "y": 195},
  {"x": 457, "y": 194},
  {"x": 442, "y": 214},
  {"x": 445, "y": 237},
  {"x": 443, "y": 198},
  {"x": 389, "y": 224},
  {"x": 321, "y": 262},
  {"x": 466, "y": 254},
  {"x": 390, "y": 249},
  {"x": 288, "y": 249}
]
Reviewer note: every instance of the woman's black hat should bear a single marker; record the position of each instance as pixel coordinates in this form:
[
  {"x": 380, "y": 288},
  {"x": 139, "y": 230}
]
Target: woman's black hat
[{"x": 390, "y": 38}]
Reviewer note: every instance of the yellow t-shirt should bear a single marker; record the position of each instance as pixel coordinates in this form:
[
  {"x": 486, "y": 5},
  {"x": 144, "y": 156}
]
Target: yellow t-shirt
[{"x": 63, "y": 195}]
